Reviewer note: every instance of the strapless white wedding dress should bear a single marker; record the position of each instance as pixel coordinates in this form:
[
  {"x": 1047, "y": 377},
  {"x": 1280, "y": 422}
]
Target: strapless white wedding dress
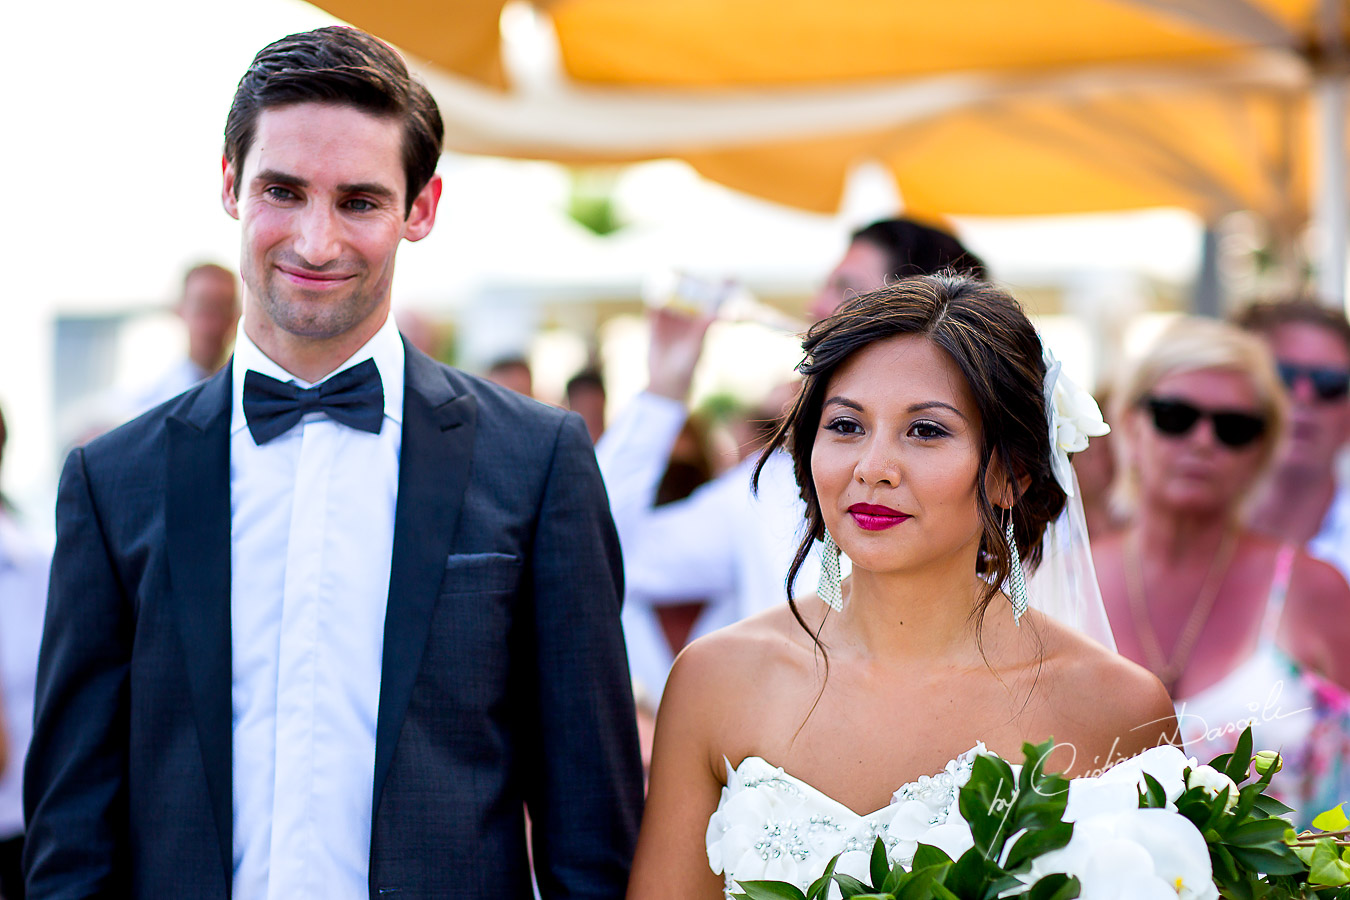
[{"x": 772, "y": 825}]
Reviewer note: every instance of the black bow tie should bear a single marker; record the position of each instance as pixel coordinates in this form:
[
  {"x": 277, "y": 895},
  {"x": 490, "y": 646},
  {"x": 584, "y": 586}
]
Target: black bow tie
[{"x": 354, "y": 397}]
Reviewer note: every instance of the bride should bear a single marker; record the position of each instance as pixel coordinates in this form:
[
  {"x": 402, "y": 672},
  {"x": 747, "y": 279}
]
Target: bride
[{"x": 921, "y": 430}]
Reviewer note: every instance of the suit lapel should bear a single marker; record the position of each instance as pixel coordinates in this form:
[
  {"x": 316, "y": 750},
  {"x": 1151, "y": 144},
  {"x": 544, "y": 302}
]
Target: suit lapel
[
  {"x": 434, "y": 466},
  {"x": 197, "y": 518}
]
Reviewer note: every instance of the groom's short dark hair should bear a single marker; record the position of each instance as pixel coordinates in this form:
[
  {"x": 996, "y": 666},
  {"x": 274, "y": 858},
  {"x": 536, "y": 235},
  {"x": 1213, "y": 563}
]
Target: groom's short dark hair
[{"x": 345, "y": 67}]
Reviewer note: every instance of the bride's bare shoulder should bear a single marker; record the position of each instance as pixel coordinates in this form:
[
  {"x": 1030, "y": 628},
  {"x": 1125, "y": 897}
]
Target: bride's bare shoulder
[
  {"x": 748, "y": 651},
  {"x": 723, "y": 686},
  {"x": 1103, "y": 696}
]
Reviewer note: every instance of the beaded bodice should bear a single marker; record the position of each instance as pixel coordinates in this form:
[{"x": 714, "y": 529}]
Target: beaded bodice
[{"x": 769, "y": 824}]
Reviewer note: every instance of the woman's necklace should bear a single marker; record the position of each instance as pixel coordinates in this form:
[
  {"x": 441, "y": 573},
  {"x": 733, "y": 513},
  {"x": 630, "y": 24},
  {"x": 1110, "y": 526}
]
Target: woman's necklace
[{"x": 1170, "y": 669}]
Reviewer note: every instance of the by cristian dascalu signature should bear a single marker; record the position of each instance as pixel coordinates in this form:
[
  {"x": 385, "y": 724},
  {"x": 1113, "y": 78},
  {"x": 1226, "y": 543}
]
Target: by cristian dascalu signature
[{"x": 1190, "y": 728}]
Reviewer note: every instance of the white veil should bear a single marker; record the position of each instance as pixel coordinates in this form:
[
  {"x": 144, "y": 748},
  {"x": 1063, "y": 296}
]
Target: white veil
[{"x": 1065, "y": 584}]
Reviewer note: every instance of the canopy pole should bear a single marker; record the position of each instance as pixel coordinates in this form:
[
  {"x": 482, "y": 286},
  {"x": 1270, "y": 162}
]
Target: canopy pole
[
  {"x": 1331, "y": 89},
  {"x": 1208, "y": 297},
  {"x": 1329, "y": 198}
]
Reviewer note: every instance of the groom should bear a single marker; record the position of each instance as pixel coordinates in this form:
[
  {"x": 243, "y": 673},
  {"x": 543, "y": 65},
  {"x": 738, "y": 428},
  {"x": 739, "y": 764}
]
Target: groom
[{"x": 330, "y": 623}]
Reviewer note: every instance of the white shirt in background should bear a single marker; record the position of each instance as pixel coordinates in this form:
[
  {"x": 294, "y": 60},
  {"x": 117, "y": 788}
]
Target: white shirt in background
[
  {"x": 311, "y": 535},
  {"x": 25, "y": 564},
  {"x": 1332, "y": 542},
  {"x": 184, "y": 374},
  {"x": 722, "y": 543}
]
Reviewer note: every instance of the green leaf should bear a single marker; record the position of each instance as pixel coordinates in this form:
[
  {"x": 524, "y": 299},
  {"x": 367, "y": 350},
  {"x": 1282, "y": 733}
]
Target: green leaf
[
  {"x": 850, "y": 886},
  {"x": 968, "y": 875},
  {"x": 1155, "y": 797},
  {"x": 897, "y": 877},
  {"x": 881, "y": 866},
  {"x": 1272, "y": 807},
  {"x": 1225, "y": 867},
  {"x": 820, "y": 888},
  {"x": 986, "y": 803},
  {"x": 1034, "y": 763},
  {"x": 1242, "y": 889},
  {"x": 769, "y": 890},
  {"x": 1332, "y": 820},
  {"x": 1195, "y": 805},
  {"x": 1258, "y": 831},
  {"x": 1240, "y": 763},
  {"x": 1268, "y": 860},
  {"x": 1247, "y": 797},
  {"x": 1034, "y": 843},
  {"x": 1213, "y": 816},
  {"x": 1043, "y": 806},
  {"x": 1327, "y": 866},
  {"x": 917, "y": 885},
  {"x": 1001, "y": 885},
  {"x": 1055, "y": 887},
  {"x": 942, "y": 892},
  {"x": 928, "y": 855}
]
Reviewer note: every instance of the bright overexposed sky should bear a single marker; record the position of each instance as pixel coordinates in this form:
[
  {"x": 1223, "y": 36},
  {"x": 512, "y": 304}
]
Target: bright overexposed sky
[{"x": 114, "y": 114}]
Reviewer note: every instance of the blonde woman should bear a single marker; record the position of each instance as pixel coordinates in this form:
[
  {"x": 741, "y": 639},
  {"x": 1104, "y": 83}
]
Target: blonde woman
[{"x": 1229, "y": 620}]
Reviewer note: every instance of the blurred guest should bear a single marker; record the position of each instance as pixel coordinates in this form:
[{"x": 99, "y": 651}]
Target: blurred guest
[
  {"x": 512, "y": 372},
  {"x": 24, "y": 562},
  {"x": 756, "y": 426},
  {"x": 1239, "y": 627},
  {"x": 725, "y": 542},
  {"x": 1096, "y": 470},
  {"x": 889, "y": 249},
  {"x": 1301, "y": 501},
  {"x": 585, "y": 394},
  {"x": 656, "y": 632},
  {"x": 209, "y": 308}
]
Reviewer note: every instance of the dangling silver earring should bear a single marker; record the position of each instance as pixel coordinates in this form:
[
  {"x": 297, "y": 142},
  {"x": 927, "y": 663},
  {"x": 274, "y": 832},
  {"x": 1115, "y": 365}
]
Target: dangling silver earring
[
  {"x": 1017, "y": 582},
  {"x": 828, "y": 588}
]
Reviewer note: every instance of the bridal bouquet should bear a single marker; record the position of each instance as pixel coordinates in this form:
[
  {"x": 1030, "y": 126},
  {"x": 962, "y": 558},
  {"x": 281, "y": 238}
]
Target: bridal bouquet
[{"x": 1154, "y": 826}]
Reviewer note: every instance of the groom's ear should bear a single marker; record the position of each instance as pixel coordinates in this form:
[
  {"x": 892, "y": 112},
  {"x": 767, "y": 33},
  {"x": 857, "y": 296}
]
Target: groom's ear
[{"x": 229, "y": 187}]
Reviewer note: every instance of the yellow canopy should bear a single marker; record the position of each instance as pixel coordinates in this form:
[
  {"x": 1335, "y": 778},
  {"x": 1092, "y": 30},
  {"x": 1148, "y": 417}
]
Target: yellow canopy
[{"x": 975, "y": 106}]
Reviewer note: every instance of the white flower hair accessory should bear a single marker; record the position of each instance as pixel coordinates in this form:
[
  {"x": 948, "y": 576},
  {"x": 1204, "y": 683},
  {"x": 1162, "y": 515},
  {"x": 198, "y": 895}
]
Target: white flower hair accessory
[{"x": 1073, "y": 416}]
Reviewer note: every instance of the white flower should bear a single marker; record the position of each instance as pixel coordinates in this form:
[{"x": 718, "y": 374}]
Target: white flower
[
  {"x": 1215, "y": 783},
  {"x": 952, "y": 837},
  {"x": 1073, "y": 418},
  {"x": 1118, "y": 788},
  {"x": 1137, "y": 854}
]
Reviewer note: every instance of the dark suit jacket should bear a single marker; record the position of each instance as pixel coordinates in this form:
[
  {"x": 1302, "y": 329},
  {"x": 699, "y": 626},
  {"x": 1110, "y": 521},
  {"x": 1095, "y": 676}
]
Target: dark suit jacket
[{"x": 504, "y": 679}]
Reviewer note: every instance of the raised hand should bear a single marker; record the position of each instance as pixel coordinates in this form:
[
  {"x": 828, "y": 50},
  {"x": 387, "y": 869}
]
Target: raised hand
[{"x": 676, "y": 345}]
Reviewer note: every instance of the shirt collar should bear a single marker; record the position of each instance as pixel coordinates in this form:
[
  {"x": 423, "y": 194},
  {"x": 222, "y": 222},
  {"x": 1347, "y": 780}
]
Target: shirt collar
[{"x": 385, "y": 347}]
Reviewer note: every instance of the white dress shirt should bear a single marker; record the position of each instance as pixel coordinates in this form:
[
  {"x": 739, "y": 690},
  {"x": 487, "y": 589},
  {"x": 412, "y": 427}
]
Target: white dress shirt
[
  {"x": 723, "y": 542},
  {"x": 311, "y": 538},
  {"x": 24, "y": 566}
]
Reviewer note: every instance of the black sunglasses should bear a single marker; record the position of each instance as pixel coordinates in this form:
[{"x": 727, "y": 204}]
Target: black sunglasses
[
  {"x": 1177, "y": 417},
  {"x": 1328, "y": 384}
]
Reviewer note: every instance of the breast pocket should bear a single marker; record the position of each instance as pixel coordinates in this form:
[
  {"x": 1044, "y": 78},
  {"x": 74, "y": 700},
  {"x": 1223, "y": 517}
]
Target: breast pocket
[
  {"x": 467, "y": 659},
  {"x": 475, "y": 573}
]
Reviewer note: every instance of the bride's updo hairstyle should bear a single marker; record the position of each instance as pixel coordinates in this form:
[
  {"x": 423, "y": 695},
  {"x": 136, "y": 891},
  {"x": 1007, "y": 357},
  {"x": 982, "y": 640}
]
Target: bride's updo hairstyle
[{"x": 986, "y": 333}]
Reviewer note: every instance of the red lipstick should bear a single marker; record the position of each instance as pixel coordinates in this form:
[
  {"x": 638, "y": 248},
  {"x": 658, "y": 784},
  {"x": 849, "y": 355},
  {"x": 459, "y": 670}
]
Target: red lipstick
[{"x": 871, "y": 517}]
